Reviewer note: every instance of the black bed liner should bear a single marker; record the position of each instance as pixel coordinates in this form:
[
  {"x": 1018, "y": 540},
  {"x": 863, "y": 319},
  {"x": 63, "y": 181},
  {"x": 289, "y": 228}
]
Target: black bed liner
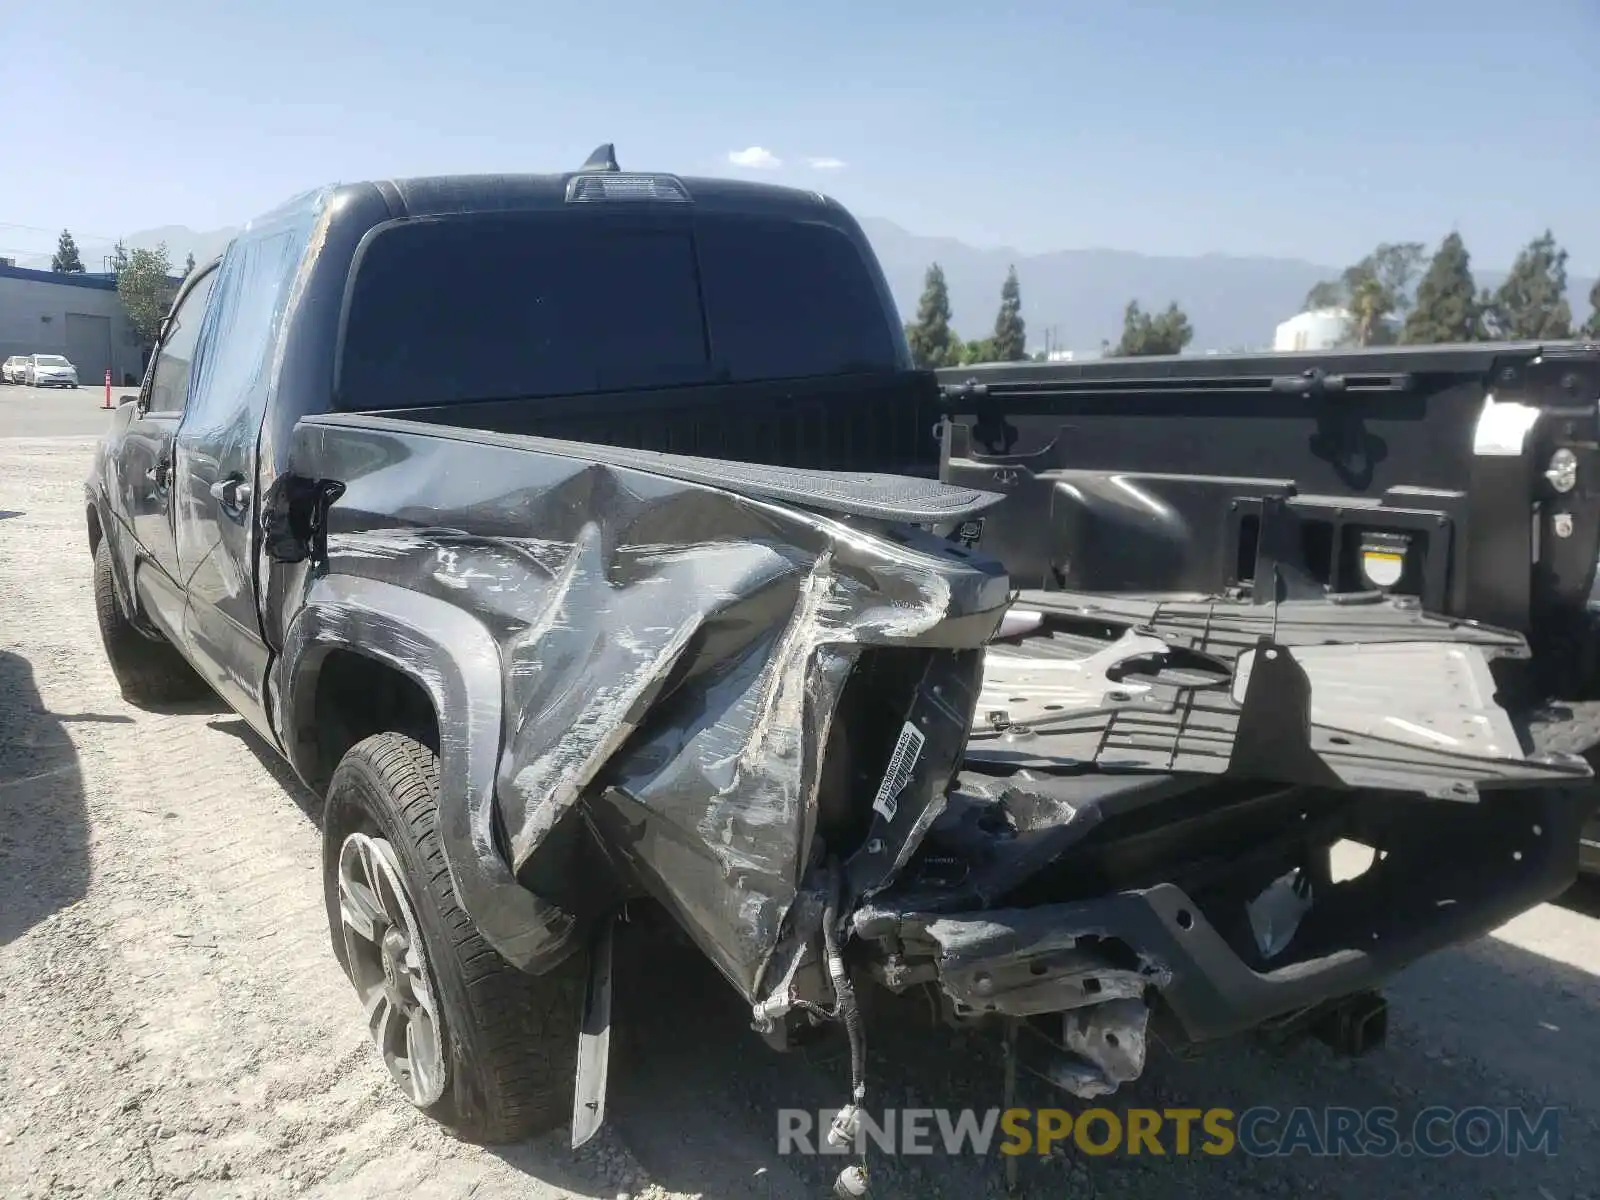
[
  {"x": 880, "y": 423},
  {"x": 1161, "y": 475}
]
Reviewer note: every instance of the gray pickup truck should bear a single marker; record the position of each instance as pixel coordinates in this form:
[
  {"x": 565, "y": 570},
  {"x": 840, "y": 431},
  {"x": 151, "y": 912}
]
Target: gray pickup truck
[{"x": 580, "y": 538}]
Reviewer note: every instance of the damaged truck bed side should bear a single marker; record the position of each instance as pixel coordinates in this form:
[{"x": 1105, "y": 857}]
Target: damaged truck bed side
[{"x": 579, "y": 537}]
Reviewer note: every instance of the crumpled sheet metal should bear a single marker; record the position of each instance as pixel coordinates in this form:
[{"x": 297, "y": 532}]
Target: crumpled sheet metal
[
  {"x": 457, "y": 663},
  {"x": 678, "y": 647}
]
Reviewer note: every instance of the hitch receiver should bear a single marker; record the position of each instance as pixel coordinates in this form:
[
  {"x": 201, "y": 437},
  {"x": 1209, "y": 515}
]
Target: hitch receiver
[{"x": 1354, "y": 1025}]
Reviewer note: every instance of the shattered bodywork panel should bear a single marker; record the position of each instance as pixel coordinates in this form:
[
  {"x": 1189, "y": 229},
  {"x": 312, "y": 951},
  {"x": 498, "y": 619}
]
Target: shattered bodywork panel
[{"x": 666, "y": 637}]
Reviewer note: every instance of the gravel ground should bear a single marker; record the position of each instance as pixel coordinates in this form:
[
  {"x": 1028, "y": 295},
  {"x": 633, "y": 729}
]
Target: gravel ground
[
  {"x": 175, "y": 1024},
  {"x": 56, "y": 412}
]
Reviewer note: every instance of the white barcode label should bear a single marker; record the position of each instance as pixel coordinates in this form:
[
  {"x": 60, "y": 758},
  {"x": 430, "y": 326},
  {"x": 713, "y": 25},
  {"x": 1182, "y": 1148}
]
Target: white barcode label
[{"x": 907, "y": 750}]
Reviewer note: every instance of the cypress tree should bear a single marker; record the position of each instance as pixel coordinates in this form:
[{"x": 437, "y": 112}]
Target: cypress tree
[
  {"x": 1591, "y": 327},
  {"x": 66, "y": 259},
  {"x": 1446, "y": 308},
  {"x": 1009, "y": 343},
  {"x": 932, "y": 343},
  {"x": 1532, "y": 303}
]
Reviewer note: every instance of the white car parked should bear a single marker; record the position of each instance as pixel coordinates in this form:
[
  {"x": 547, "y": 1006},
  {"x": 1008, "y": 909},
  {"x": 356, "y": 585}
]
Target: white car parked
[
  {"x": 15, "y": 369},
  {"x": 51, "y": 370}
]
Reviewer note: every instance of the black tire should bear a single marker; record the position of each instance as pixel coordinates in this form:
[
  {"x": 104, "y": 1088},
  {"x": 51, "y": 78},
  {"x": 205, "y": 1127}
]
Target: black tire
[
  {"x": 509, "y": 1039},
  {"x": 148, "y": 672}
]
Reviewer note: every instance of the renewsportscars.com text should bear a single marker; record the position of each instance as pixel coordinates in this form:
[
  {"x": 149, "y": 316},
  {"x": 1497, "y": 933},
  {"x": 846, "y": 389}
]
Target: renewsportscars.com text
[{"x": 1262, "y": 1132}]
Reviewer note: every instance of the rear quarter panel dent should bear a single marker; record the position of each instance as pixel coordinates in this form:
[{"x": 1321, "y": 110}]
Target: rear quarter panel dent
[
  {"x": 455, "y": 660},
  {"x": 669, "y": 650}
]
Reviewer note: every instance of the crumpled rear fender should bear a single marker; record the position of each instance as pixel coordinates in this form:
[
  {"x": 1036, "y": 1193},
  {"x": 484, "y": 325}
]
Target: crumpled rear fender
[
  {"x": 454, "y": 658},
  {"x": 665, "y": 639}
]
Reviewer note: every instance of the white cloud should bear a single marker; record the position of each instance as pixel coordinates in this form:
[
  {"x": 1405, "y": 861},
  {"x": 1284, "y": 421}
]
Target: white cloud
[
  {"x": 826, "y": 164},
  {"x": 757, "y": 158}
]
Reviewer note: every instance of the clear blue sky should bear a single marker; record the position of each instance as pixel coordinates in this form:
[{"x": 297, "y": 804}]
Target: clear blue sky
[{"x": 1307, "y": 128}]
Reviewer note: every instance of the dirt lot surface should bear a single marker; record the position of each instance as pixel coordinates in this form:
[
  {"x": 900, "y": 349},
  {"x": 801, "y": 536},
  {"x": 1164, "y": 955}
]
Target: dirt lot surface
[
  {"x": 56, "y": 412},
  {"x": 174, "y": 1023}
]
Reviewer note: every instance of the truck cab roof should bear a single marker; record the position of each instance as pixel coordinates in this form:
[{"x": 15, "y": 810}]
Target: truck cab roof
[
  {"x": 442, "y": 195},
  {"x": 600, "y": 179}
]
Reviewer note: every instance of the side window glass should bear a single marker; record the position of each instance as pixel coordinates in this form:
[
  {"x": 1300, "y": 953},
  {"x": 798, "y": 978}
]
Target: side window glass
[
  {"x": 174, "y": 360},
  {"x": 230, "y": 386}
]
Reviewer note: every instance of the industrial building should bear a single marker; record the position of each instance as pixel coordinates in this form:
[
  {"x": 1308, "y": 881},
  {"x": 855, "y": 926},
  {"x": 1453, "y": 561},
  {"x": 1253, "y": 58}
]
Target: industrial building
[{"x": 78, "y": 315}]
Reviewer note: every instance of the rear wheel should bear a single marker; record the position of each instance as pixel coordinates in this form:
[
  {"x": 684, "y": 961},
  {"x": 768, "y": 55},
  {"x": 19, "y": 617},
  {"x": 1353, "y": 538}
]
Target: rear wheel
[
  {"x": 478, "y": 1045},
  {"x": 148, "y": 672}
]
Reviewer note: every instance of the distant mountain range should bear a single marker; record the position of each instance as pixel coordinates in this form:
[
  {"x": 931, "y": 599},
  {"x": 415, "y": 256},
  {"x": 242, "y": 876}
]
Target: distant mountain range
[
  {"x": 1072, "y": 298},
  {"x": 1078, "y": 296}
]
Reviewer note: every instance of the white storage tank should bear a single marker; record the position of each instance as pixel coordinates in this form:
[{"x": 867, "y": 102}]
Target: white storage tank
[{"x": 1320, "y": 329}]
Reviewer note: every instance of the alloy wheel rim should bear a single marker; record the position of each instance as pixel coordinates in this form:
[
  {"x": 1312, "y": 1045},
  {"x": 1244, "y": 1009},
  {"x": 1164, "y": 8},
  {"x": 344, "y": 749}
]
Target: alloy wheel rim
[{"x": 389, "y": 968}]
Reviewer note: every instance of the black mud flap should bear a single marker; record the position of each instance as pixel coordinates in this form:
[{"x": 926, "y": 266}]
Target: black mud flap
[{"x": 594, "y": 1039}]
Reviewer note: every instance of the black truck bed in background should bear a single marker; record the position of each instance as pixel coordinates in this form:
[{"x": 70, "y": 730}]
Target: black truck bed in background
[
  {"x": 878, "y": 423},
  {"x": 1235, "y": 474}
]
